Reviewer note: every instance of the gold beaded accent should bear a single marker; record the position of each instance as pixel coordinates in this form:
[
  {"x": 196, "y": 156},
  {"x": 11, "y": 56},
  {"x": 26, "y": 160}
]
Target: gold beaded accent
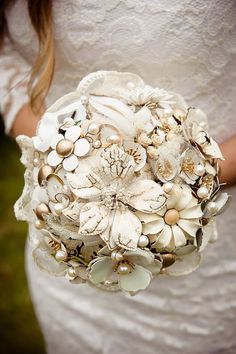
[
  {"x": 165, "y": 168},
  {"x": 188, "y": 165}
]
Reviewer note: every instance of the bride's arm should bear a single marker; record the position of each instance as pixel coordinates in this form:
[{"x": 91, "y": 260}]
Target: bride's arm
[
  {"x": 228, "y": 166},
  {"x": 14, "y": 72},
  {"x": 25, "y": 122}
]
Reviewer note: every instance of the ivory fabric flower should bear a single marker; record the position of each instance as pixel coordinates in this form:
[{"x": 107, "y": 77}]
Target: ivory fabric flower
[
  {"x": 175, "y": 222},
  {"x": 196, "y": 133},
  {"x": 133, "y": 272},
  {"x": 192, "y": 166},
  {"x": 68, "y": 148},
  {"x": 53, "y": 119},
  {"x": 112, "y": 192}
]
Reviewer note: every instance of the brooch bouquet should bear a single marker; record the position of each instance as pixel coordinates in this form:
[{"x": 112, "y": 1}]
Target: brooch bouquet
[{"x": 121, "y": 184}]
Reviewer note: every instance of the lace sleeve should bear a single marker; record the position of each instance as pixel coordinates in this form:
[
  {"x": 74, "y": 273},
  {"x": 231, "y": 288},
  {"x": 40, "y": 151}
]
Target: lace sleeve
[{"x": 14, "y": 73}]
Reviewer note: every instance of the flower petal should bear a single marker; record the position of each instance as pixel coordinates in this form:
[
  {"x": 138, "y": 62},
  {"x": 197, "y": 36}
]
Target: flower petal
[
  {"x": 55, "y": 140},
  {"x": 164, "y": 238},
  {"x": 41, "y": 145},
  {"x": 186, "y": 196},
  {"x": 73, "y": 133},
  {"x": 191, "y": 213},
  {"x": 85, "y": 185},
  {"x": 138, "y": 153},
  {"x": 138, "y": 279},
  {"x": 117, "y": 163},
  {"x": 82, "y": 147},
  {"x": 154, "y": 227},
  {"x": 70, "y": 163},
  {"x": 94, "y": 219},
  {"x": 100, "y": 270},
  {"x": 46, "y": 262},
  {"x": 184, "y": 265},
  {"x": 189, "y": 226},
  {"x": 213, "y": 150},
  {"x": 180, "y": 239},
  {"x": 115, "y": 111},
  {"x": 54, "y": 159},
  {"x": 126, "y": 229},
  {"x": 147, "y": 196}
]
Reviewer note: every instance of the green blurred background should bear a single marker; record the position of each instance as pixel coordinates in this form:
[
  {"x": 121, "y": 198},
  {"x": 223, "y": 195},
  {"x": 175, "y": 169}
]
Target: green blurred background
[{"x": 19, "y": 330}]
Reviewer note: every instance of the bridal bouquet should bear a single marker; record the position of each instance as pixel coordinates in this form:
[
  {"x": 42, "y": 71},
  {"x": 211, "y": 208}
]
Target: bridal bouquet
[{"x": 121, "y": 184}]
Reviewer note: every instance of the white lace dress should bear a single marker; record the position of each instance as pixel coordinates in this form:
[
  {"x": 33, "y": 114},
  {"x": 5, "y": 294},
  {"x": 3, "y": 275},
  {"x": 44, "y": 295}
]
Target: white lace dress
[{"x": 186, "y": 46}]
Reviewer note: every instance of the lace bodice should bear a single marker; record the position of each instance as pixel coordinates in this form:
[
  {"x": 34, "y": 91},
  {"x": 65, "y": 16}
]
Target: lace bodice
[{"x": 188, "y": 46}]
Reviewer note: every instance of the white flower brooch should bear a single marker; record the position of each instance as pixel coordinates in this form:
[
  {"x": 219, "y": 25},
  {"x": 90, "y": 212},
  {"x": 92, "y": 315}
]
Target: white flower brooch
[{"x": 121, "y": 184}]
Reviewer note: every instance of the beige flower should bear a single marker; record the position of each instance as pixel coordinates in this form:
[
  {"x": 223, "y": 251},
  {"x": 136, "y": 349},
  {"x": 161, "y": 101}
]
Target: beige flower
[
  {"x": 176, "y": 222},
  {"x": 112, "y": 192}
]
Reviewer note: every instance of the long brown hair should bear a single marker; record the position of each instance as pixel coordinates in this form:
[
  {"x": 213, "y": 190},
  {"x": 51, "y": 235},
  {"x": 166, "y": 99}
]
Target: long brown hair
[{"x": 40, "y": 12}]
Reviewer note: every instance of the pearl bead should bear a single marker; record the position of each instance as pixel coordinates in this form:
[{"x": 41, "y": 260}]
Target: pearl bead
[
  {"x": 212, "y": 207},
  {"x": 36, "y": 161},
  {"x": 97, "y": 144},
  {"x": 199, "y": 170},
  {"x": 39, "y": 224},
  {"x": 202, "y": 192},
  {"x": 116, "y": 255},
  {"x": 113, "y": 139},
  {"x": 61, "y": 255},
  {"x": 168, "y": 259},
  {"x": 123, "y": 268},
  {"x": 167, "y": 187},
  {"x": 71, "y": 272},
  {"x": 171, "y": 217},
  {"x": 44, "y": 172},
  {"x": 130, "y": 85},
  {"x": 143, "y": 241},
  {"x": 94, "y": 128},
  {"x": 58, "y": 207},
  {"x": 41, "y": 209},
  {"x": 84, "y": 99},
  {"x": 65, "y": 147}
]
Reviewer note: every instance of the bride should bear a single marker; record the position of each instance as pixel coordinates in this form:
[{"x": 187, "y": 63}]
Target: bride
[{"x": 185, "y": 46}]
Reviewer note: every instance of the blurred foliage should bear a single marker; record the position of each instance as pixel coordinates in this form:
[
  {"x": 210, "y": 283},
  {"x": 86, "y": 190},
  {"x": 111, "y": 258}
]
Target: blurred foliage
[{"x": 19, "y": 331}]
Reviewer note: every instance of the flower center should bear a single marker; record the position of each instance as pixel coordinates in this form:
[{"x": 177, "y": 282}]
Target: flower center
[
  {"x": 188, "y": 165},
  {"x": 116, "y": 198},
  {"x": 64, "y": 147},
  {"x": 171, "y": 217},
  {"x": 124, "y": 267}
]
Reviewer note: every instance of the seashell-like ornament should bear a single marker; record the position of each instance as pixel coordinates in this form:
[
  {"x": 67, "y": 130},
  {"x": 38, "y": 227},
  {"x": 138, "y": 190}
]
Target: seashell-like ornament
[
  {"x": 168, "y": 259},
  {"x": 43, "y": 173},
  {"x": 41, "y": 209}
]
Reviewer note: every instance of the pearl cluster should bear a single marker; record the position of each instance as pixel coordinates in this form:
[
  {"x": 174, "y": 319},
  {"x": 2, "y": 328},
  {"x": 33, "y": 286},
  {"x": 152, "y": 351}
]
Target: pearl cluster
[{"x": 114, "y": 199}]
